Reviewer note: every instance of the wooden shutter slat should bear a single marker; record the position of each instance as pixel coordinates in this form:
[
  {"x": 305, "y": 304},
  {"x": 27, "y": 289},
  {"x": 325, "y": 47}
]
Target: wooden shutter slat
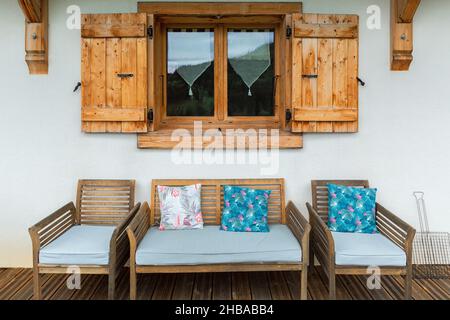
[
  {"x": 305, "y": 30},
  {"x": 113, "y": 31},
  {"x": 113, "y": 83},
  {"x": 151, "y": 74},
  {"x": 114, "y": 45},
  {"x": 111, "y": 114},
  {"x": 335, "y": 115},
  {"x": 309, "y": 85},
  {"x": 324, "y": 73},
  {"x": 340, "y": 79},
  {"x": 86, "y": 78},
  {"x": 98, "y": 80},
  {"x": 352, "y": 82}
]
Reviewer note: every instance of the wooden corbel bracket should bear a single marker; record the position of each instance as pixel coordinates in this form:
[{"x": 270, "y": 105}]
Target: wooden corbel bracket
[
  {"x": 402, "y": 14},
  {"x": 36, "y": 35}
]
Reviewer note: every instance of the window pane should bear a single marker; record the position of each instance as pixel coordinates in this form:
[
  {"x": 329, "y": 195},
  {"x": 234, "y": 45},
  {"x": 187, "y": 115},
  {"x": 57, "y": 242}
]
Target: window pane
[
  {"x": 251, "y": 72},
  {"x": 190, "y": 72}
]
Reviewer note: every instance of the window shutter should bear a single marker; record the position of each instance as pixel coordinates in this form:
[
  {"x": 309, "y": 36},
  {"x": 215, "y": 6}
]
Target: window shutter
[
  {"x": 114, "y": 73},
  {"x": 324, "y": 73}
]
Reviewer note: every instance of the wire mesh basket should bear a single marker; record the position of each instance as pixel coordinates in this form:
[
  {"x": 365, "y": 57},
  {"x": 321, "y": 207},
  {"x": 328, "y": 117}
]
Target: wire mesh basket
[
  {"x": 431, "y": 250},
  {"x": 431, "y": 255}
]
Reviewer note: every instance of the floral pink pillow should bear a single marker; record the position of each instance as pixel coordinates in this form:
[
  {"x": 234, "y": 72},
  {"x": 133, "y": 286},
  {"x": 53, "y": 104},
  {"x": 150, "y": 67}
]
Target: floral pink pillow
[{"x": 180, "y": 207}]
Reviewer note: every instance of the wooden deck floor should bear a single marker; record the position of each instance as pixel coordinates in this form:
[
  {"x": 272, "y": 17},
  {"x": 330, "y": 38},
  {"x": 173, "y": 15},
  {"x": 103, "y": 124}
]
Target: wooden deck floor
[{"x": 16, "y": 284}]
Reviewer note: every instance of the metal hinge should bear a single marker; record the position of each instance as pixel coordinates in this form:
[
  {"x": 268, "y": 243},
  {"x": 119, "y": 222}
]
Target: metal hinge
[
  {"x": 150, "y": 115},
  {"x": 288, "y": 115},
  {"x": 150, "y": 32},
  {"x": 288, "y": 32}
]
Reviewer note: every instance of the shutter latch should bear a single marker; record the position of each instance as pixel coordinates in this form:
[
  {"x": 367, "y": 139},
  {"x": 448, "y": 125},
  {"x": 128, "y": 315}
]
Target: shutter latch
[
  {"x": 288, "y": 32},
  {"x": 77, "y": 87},
  {"x": 361, "y": 82},
  {"x": 150, "y": 32}
]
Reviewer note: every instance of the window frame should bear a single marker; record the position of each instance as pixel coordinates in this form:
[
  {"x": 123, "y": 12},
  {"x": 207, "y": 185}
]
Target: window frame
[{"x": 221, "y": 119}]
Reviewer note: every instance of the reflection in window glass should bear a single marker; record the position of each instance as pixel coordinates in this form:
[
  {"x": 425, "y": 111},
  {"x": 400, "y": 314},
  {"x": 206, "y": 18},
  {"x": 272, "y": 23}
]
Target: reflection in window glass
[
  {"x": 250, "y": 72},
  {"x": 190, "y": 72}
]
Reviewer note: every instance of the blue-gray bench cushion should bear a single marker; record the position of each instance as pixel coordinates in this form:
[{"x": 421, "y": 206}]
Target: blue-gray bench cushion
[
  {"x": 213, "y": 246},
  {"x": 360, "y": 249},
  {"x": 80, "y": 245}
]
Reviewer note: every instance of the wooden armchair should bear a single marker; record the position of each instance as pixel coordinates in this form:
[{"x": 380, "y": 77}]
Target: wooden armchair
[
  {"x": 340, "y": 256},
  {"x": 91, "y": 236}
]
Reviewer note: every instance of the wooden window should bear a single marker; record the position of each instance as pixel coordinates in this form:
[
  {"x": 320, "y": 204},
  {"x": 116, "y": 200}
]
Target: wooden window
[
  {"x": 114, "y": 73},
  {"x": 325, "y": 73},
  {"x": 190, "y": 72},
  {"x": 224, "y": 73},
  {"x": 230, "y": 65},
  {"x": 251, "y": 72}
]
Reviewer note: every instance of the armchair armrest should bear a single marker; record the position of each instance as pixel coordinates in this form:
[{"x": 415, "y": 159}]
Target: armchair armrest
[
  {"x": 138, "y": 227},
  {"x": 395, "y": 229},
  {"x": 300, "y": 228},
  {"x": 322, "y": 242},
  {"x": 51, "y": 227},
  {"x": 118, "y": 245}
]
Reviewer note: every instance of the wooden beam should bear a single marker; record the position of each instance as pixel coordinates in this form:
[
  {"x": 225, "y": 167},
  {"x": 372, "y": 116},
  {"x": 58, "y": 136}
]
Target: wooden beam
[
  {"x": 31, "y": 9},
  {"x": 36, "y": 35},
  {"x": 163, "y": 139},
  {"x": 402, "y": 14},
  {"x": 407, "y": 9},
  {"x": 220, "y": 8}
]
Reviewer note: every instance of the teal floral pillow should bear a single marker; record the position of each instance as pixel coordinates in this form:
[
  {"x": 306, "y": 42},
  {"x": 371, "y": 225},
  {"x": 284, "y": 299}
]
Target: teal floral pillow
[
  {"x": 351, "y": 209},
  {"x": 245, "y": 210}
]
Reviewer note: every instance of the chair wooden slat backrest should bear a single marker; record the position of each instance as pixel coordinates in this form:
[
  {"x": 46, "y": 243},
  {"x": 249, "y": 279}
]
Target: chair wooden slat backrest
[
  {"x": 104, "y": 202},
  {"x": 320, "y": 193},
  {"x": 212, "y": 197}
]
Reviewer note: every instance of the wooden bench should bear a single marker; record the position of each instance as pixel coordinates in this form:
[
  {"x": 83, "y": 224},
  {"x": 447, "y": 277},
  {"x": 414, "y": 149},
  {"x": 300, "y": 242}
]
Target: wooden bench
[
  {"x": 107, "y": 205},
  {"x": 212, "y": 204}
]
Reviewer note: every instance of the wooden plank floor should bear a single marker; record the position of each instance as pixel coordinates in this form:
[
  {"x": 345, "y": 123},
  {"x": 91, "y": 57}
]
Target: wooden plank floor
[{"x": 16, "y": 284}]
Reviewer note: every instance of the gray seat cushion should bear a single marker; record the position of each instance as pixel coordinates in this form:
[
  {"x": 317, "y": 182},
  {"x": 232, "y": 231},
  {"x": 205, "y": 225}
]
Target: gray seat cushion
[
  {"x": 80, "y": 245},
  {"x": 213, "y": 246},
  {"x": 359, "y": 249}
]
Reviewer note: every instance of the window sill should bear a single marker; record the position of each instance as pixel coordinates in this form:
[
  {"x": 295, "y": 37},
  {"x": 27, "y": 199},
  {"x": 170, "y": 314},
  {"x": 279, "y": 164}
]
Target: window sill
[{"x": 164, "y": 139}]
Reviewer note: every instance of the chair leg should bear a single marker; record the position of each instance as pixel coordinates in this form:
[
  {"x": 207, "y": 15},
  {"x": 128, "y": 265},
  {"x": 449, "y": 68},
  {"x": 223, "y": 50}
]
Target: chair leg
[
  {"x": 37, "y": 284},
  {"x": 332, "y": 286},
  {"x": 111, "y": 285},
  {"x": 133, "y": 289},
  {"x": 408, "y": 284},
  {"x": 311, "y": 262},
  {"x": 304, "y": 284}
]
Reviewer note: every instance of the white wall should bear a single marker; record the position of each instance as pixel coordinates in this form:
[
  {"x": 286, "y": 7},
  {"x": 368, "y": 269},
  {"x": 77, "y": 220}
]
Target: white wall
[{"x": 403, "y": 143}]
